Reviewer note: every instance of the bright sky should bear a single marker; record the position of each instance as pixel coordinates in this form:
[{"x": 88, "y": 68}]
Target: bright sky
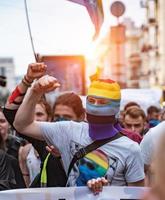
[{"x": 58, "y": 27}]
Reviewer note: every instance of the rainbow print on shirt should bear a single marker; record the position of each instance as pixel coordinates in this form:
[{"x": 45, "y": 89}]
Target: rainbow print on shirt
[{"x": 93, "y": 165}]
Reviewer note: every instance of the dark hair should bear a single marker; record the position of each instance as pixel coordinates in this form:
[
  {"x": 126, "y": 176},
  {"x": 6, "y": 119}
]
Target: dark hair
[
  {"x": 72, "y": 100},
  {"x": 152, "y": 109},
  {"x": 2, "y": 143},
  {"x": 135, "y": 113},
  {"x": 130, "y": 104}
]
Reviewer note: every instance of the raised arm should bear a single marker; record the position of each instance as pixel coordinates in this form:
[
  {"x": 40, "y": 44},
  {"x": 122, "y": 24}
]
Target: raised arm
[
  {"x": 34, "y": 71},
  {"x": 24, "y": 120}
]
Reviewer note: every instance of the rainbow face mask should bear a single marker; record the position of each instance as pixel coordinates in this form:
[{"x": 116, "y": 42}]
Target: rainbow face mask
[{"x": 109, "y": 109}]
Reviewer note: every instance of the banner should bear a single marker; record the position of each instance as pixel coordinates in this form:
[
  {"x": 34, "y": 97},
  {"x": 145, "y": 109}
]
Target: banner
[
  {"x": 69, "y": 71},
  {"x": 144, "y": 97},
  {"x": 74, "y": 193}
]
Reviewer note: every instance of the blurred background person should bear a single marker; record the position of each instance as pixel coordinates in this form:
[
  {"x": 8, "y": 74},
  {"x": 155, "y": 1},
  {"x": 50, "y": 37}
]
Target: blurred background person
[
  {"x": 162, "y": 117},
  {"x": 134, "y": 119},
  {"x": 10, "y": 173},
  {"x": 130, "y": 104},
  {"x": 153, "y": 116},
  {"x": 12, "y": 143},
  {"x": 4, "y": 126},
  {"x": 68, "y": 106}
]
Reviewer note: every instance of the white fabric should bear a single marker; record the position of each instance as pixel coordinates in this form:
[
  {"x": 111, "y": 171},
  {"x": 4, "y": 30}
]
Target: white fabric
[
  {"x": 74, "y": 193},
  {"x": 122, "y": 155},
  {"x": 144, "y": 97},
  {"x": 149, "y": 142},
  {"x": 33, "y": 164}
]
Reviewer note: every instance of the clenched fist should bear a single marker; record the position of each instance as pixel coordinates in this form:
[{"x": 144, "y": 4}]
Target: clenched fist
[
  {"x": 45, "y": 84},
  {"x": 35, "y": 71}
]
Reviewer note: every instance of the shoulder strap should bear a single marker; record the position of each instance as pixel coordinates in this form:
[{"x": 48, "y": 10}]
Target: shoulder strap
[
  {"x": 89, "y": 148},
  {"x": 43, "y": 181}
]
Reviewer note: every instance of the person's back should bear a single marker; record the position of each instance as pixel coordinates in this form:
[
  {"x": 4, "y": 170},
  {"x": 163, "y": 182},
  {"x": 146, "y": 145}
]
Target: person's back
[
  {"x": 148, "y": 145},
  {"x": 150, "y": 140},
  {"x": 157, "y": 191}
]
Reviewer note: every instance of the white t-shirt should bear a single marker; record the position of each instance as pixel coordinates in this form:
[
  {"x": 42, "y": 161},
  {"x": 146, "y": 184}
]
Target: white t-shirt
[
  {"x": 150, "y": 141},
  {"x": 33, "y": 164},
  {"x": 119, "y": 160}
]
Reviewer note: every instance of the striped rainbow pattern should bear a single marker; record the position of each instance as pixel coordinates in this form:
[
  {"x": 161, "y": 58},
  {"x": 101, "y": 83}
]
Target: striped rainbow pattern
[{"x": 100, "y": 159}]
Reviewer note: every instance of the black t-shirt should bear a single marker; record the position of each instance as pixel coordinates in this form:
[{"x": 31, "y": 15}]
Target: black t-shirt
[
  {"x": 56, "y": 176},
  {"x": 10, "y": 174}
]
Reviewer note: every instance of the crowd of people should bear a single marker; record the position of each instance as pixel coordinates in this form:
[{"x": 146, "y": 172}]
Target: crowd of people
[{"x": 68, "y": 145}]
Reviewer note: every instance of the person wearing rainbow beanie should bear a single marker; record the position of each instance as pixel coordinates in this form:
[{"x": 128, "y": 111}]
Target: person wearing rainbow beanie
[
  {"x": 119, "y": 160},
  {"x": 107, "y": 94},
  {"x": 102, "y": 106}
]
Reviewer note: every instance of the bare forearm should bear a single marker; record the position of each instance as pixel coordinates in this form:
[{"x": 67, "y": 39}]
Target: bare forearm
[{"x": 25, "y": 113}]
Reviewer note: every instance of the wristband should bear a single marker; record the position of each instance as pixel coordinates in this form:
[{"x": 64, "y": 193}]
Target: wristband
[
  {"x": 26, "y": 82},
  {"x": 16, "y": 93},
  {"x": 26, "y": 79}
]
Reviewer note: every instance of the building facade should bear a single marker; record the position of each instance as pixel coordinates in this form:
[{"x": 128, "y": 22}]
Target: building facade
[
  {"x": 7, "y": 69},
  {"x": 154, "y": 41}
]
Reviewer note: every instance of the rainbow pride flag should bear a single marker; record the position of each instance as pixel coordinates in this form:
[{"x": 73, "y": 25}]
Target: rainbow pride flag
[{"x": 95, "y": 11}]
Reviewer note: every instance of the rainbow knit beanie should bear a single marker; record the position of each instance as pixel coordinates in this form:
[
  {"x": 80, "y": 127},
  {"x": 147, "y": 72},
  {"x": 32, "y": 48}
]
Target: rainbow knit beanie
[{"x": 105, "y": 88}]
